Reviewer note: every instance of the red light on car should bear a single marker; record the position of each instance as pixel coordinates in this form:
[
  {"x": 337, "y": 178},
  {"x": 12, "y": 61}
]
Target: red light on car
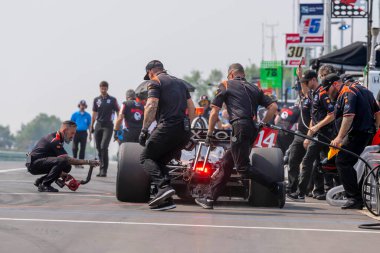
[{"x": 204, "y": 171}]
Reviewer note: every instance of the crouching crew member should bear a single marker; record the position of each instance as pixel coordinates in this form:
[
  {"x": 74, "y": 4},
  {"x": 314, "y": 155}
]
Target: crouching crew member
[
  {"x": 132, "y": 112},
  {"x": 168, "y": 100},
  {"x": 356, "y": 119},
  {"x": 242, "y": 99},
  {"x": 50, "y": 159}
]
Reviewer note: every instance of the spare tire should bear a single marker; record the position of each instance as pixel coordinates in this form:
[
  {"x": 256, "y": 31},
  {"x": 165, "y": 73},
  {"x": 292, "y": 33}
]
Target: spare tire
[
  {"x": 132, "y": 182},
  {"x": 270, "y": 161}
]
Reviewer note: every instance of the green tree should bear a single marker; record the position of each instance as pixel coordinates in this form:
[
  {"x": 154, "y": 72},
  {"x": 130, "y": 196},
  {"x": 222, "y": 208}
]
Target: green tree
[
  {"x": 204, "y": 86},
  {"x": 31, "y": 132},
  {"x": 6, "y": 138},
  {"x": 252, "y": 71}
]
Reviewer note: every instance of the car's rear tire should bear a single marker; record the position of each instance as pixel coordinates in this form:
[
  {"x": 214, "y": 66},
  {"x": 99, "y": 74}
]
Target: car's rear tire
[
  {"x": 132, "y": 182},
  {"x": 269, "y": 161}
]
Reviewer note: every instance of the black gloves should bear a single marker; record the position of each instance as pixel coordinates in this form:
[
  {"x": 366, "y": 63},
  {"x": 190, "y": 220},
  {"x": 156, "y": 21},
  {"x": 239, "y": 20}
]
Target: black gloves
[
  {"x": 144, "y": 135},
  {"x": 209, "y": 140}
]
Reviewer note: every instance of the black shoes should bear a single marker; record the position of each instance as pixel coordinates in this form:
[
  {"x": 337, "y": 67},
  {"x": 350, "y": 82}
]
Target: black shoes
[
  {"x": 46, "y": 188},
  {"x": 321, "y": 196},
  {"x": 280, "y": 191},
  {"x": 353, "y": 204},
  {"x": 39, "y": 181},
  {"x": 102, "y": 173},
  {"x": 166, "y": 205},
  {"x": 205, "y": 202},
  {"x": 296, "y": 197},
  {"x": 163, "y": 193}
]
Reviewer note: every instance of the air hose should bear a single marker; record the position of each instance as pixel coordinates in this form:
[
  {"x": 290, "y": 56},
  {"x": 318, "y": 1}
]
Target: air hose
[{"x": 368, "y": 171}]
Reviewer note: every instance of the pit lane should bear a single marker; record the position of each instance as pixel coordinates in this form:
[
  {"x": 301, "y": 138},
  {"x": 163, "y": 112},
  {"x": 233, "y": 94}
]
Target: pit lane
[{"x": 92, "y": 220}]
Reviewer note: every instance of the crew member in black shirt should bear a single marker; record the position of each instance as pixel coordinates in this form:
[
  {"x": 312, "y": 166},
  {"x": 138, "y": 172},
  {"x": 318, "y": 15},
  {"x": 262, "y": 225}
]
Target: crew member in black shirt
[
  {"x": 50, "y": 159},
  {"x": 168, "y": 101},
  {"x": 132, "y": 112},
  {"x": 356, "y": 118},
  {"x": 297, "y": 149},
  {"x": 322, "y": 116},
  {"x": 103, "y": 110},
  {"x": 242, "y": 100}
]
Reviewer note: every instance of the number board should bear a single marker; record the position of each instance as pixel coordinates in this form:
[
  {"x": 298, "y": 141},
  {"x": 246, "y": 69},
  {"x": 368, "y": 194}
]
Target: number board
[
  {"x": 271, "y": 74},
  {"x": 311, "y": 24},
  {"x": 266, "y": 138},
  {"x": 295, "y": 51}
]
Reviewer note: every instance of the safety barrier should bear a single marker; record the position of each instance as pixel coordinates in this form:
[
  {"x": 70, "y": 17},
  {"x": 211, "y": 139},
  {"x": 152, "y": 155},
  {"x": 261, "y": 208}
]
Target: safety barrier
[{"x": 12, "y": 156}]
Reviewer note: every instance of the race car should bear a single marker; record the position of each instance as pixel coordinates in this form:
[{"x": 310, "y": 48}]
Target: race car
[{"x": 191, "y": 175}]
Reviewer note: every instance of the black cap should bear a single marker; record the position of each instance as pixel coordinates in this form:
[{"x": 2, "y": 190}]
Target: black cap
[
  {"x": 329, "y": 80},
  {"x": 346, "y": 78},
  {"x": 308, "y": 75},
  {"x": 82, "y": 102},
  {"x": 131, "y": 94},
  {"x": 151, "y": 65}
]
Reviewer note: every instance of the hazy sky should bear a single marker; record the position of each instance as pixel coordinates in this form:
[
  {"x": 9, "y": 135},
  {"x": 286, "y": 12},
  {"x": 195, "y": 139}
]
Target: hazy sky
[{"x": 55, "y": 53}]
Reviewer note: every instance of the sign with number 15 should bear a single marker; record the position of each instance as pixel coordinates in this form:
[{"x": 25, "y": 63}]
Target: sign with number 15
[{"x": 311, "y": 24}]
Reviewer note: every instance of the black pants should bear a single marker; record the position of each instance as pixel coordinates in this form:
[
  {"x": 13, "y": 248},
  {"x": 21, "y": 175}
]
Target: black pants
[
  {"x": 244, "y": 133},
  {"x": 297, "y": 152},
  {"x": 163, "y": 145},
  {"x": 310, "y": 175},
  {"x": 131, "y": 135},
  {"x": 284, "y": 140},
  {"x": 103, "y": 135},
  {"x": 354, "y": 142},
  {"x": 80, "y": 138},
  {"x": 51, "y": 166}
]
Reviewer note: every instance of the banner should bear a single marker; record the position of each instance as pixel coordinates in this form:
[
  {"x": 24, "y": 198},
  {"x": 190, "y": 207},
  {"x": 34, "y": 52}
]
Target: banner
[
  {"x": 311, "y": 24},
  {"x": 271, "y": 74},
  {"x": 295, "y": 51},
  {"x": 349, "y": 9}
]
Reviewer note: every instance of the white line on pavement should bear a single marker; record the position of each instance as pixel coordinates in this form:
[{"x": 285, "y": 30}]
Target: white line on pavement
[
  {"x": 11, "y": 170},
  {"x": 191, "y": 225},
  {"x": 57, "y": 194}
]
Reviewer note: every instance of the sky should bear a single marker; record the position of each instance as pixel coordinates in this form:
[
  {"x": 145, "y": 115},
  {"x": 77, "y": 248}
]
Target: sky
[{"x": 55, "y": 53}]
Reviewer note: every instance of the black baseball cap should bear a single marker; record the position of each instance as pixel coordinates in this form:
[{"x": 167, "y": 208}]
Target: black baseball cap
[
  {"x": 82, "y": 102},
  {"x": 329, "y": 80},
  {"x": 346, "y": 78},
  {"x": 151, "y": 65},
  {"x": 308, "y": 75}
]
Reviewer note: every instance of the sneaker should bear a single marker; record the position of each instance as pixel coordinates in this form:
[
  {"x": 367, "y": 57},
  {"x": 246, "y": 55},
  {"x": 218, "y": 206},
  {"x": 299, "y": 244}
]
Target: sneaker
[
  {"x": 281, "y": 194},
  {"x": 353, "y": 204},
  {"x": 205, "y": 202},
  {"x": 166, "y": 205},
  {"x": 296, "y": 197},
  {"x": 163, "y": 193},
  {"x": 46, "y": 188},
  {"x": 39, "y": 181},
  {"x": 321, "y": 196}
]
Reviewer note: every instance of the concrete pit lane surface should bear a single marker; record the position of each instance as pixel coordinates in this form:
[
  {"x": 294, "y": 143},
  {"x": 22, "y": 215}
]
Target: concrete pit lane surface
[{"x": 92, "y": 220}]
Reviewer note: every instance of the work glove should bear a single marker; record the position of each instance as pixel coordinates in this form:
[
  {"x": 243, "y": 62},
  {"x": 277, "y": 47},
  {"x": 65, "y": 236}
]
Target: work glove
[
  {"x": 209, "y": 140},
  {"x": 144, "y": 135},
  {"x": 118, "y": 135},
  {"x": 94, "y": 163}
]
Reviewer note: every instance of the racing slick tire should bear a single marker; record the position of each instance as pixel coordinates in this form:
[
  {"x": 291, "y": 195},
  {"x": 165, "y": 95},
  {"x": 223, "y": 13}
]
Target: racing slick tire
[
  {"x": 132, "y": 182},
  {"x": 270, "y": 161}
]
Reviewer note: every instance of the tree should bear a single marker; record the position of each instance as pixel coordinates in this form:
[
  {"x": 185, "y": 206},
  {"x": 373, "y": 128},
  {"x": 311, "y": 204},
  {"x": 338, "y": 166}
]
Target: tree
[
  {"x": 252, "y": 71},
  {"x": 204, "y": 86},
  {"x": 6, "y": 138},
  {"x": 40, "y": 126}
]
